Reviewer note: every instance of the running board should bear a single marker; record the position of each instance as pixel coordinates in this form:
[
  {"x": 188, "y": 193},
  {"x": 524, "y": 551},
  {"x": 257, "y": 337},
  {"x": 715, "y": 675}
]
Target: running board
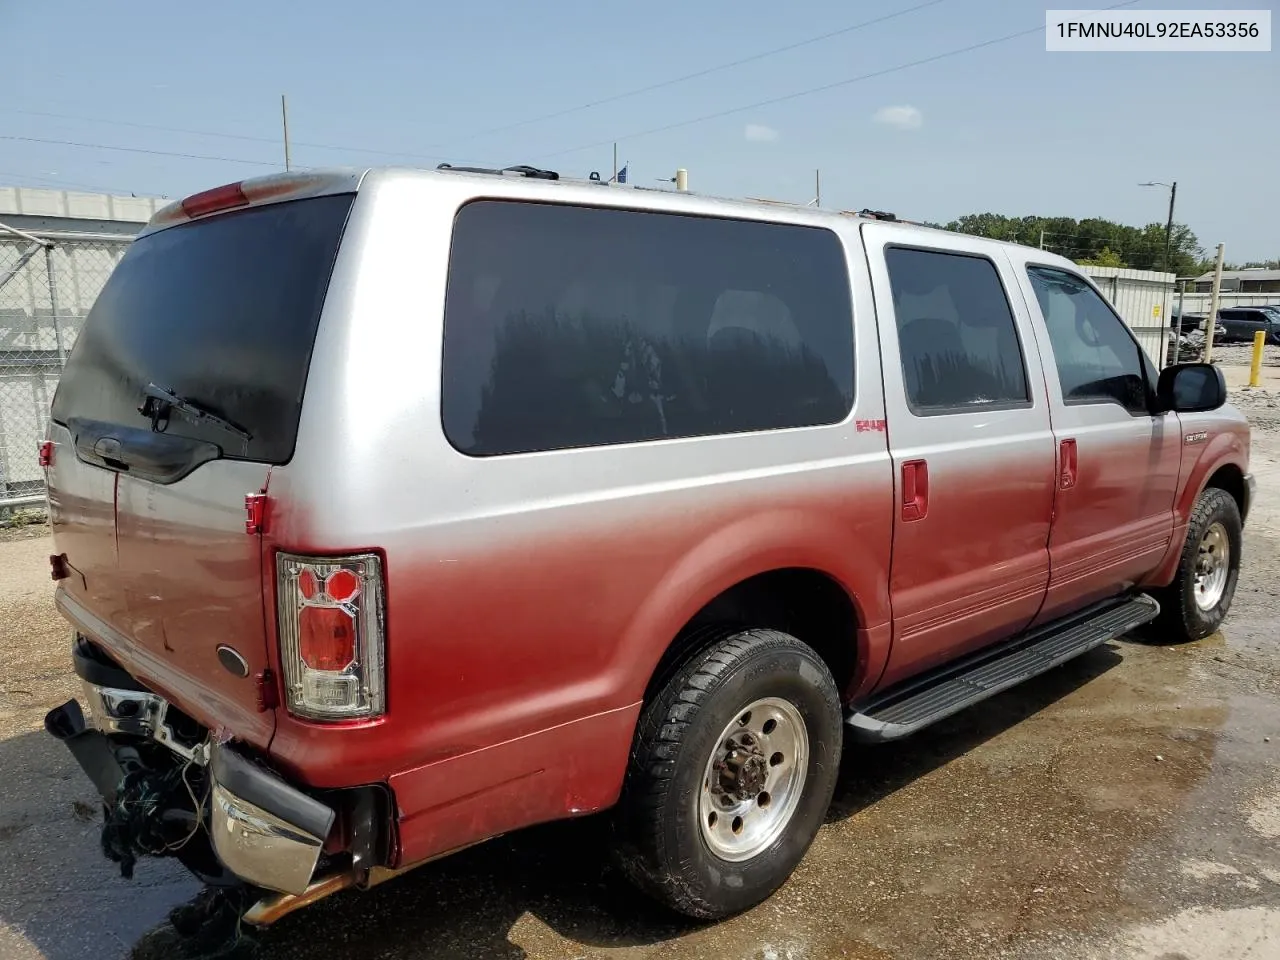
[{"x": 918, "y": 702}]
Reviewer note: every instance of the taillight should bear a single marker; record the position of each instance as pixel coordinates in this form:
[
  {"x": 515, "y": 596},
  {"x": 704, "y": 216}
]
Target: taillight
[
  {"x": 46, "y": 453},
  {"x": 331, "y": 635}
]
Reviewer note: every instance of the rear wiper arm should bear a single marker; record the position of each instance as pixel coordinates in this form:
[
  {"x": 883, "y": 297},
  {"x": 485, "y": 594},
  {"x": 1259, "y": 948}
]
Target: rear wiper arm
[{"x": 158, "y": 403}]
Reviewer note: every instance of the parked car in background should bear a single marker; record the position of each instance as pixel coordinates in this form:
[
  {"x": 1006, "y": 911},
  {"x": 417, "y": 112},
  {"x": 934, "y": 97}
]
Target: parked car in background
[
  {"x": 1242, "y": 323},
  {"x": 395, "y": 510}
]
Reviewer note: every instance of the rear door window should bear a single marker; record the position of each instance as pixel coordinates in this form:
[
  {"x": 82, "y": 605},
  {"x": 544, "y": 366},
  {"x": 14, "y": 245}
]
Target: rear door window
[
  {"x": 956, "y": 333},
  {"x": 221, "y": 312},
  {"x": 577, "y": 326}
]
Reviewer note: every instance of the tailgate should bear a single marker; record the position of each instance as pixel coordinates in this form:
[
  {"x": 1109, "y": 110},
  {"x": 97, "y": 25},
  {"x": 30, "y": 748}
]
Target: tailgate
[{"x": 182, "y": 391}]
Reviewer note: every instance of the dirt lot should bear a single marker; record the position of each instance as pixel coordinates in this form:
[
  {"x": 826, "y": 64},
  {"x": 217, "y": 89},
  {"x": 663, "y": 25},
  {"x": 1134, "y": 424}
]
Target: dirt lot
[{"x": 1124, "y": 807}]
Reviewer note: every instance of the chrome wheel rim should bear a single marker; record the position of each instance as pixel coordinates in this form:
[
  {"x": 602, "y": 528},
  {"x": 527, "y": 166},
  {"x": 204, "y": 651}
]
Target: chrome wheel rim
[
  {"x": 754, "y": 779},
  {"x": 1213, "y": 564}
]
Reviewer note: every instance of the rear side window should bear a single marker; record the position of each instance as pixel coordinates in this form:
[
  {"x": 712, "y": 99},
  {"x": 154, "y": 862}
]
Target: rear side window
[
  {"x": 577, "y": 326},
  {"x": 956, "y": 332},
  {"x": 222, "y": 312}
]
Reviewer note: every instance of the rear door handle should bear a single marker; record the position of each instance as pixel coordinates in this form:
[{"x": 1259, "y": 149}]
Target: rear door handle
[
  {"x": 1068, "y": 467},
  {"x": 915, "y": 490}
]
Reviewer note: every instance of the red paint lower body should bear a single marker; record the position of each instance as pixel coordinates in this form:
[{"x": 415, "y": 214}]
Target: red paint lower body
[{"x": 569, "y": 770}]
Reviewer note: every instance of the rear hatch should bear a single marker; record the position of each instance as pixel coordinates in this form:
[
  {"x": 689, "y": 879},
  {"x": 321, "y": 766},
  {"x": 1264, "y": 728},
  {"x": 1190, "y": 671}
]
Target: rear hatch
[{"x": 183, "y": 389}]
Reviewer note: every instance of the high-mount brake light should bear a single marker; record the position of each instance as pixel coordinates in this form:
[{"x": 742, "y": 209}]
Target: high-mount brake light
[
  {"x": 330, "y": 619},
  {"x": 226, "y": 197}
]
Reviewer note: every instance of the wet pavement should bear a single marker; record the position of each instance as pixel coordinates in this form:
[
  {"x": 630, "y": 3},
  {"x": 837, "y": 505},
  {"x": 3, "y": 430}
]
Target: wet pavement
[{"x": 1123, "y": 807}]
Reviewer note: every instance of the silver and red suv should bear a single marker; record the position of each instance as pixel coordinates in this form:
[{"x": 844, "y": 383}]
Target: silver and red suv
[{"x": 400, "y": 509}]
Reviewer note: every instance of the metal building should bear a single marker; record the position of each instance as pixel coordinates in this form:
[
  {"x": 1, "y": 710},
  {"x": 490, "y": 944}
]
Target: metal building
[{"x": 1143, "y": 298}]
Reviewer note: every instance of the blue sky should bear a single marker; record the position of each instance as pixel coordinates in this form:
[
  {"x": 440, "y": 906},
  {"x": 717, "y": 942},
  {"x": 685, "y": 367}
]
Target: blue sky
[{"x": 1008, "y": 128}]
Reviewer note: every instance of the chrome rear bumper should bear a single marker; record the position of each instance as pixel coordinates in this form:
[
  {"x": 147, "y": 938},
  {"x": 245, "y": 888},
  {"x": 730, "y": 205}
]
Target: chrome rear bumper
[{"x": 266, "y": 832}]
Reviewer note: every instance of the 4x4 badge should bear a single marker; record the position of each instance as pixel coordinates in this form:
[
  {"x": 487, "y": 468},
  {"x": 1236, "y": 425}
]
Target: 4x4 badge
[{"x": 1197, "y": 437}]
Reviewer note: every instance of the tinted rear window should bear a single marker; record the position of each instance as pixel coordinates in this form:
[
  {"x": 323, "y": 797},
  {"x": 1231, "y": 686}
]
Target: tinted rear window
[
  {"x": 577, "y": 326},
  {"x": 223, "y": 312}
]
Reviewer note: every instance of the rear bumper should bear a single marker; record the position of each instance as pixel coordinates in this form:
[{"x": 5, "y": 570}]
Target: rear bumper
[{"x": 264, "y": 831}]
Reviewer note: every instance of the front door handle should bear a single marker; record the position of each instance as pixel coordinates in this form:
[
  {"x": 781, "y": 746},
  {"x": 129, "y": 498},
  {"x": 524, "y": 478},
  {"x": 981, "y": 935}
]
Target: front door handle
[
  {"x": 1068, "y": 467},
  {"x": 915, "y": 490}
]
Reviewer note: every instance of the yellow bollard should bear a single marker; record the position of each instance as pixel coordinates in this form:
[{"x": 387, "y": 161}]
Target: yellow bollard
[{"x": 1255, "y": 368}]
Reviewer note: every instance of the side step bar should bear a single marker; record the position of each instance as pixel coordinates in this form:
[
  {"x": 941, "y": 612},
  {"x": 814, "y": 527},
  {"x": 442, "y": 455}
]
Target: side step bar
[{"x": 921, "y": 701}]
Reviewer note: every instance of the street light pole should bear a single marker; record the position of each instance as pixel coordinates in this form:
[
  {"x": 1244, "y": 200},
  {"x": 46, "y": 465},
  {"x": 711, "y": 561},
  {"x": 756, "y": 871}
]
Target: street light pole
[
  {"x": 1168, "y": 263},
  {"x": 1168, "y": 227}
]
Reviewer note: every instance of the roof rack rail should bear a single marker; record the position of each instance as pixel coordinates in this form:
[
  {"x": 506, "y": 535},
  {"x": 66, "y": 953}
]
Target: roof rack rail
[
  {"x": 877, "y": 215},
  {"x": 519, "y": 170}
]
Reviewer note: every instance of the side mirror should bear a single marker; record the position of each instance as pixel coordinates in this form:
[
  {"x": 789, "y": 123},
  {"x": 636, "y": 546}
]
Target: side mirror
[{"x": 1191, "y": 388}]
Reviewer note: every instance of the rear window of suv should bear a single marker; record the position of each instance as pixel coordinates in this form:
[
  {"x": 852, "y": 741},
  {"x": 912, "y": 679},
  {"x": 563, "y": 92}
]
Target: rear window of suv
[
  {"x": 223, "y": 313},
  {"x": 573, "y": 327}
]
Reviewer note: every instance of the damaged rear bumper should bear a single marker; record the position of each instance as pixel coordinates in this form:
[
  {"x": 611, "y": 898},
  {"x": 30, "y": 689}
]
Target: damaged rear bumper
[{"x": 264, "y": 831}]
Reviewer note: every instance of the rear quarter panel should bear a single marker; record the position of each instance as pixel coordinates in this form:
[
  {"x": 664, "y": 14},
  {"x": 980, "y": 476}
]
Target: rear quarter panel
[{"x": 530, "y": 597}]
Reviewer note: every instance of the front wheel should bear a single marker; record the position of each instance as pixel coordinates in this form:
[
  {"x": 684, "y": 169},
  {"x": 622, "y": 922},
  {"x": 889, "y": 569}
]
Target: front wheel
[
  {"x": 1196, "y": 603},
  {"x": 733, "y": 768}
]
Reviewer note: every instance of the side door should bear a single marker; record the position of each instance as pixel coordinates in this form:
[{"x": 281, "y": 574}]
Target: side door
[
  {"x": 971, "y": 444},
  {"x": 1118, "y": 464}
]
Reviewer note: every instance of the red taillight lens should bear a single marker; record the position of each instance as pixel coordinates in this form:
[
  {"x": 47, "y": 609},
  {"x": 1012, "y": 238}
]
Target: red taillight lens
[
  {"x": 326, "y": 638},
  {"x": 307, "y": 584},
  {"x": 342, "y": 586},
  {"x": 225, "y": 197},
  {"x": 46, "y": 453},
  {"x": 329, "y": 616}
]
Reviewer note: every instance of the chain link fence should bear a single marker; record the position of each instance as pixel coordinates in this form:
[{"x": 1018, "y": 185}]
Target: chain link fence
[{"x": 47, "y": 286}]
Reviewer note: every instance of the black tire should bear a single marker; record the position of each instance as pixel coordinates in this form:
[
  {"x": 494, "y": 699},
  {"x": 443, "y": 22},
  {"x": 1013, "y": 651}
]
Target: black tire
[
  {"x": 1181, "y": 620},
  {"x": 659, "y": 839}
]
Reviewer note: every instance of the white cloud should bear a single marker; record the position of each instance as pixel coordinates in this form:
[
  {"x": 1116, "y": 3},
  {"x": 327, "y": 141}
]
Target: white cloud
[
  {"x": 759, "y": 133},
  {"x": 901, "y": 118}
]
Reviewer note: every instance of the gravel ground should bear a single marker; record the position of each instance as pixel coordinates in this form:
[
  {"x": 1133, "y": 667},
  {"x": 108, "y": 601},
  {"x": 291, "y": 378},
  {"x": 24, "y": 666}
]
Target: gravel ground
[{"x": 1123, "y": 807}]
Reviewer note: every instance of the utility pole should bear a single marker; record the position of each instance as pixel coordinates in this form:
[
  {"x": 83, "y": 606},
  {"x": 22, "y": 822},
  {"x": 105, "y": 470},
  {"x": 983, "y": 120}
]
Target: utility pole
[
  {"x": 1212, "y": 320},
  {"x": 1168, "y": 229},
  {"x": 284, "y": 119},
  {"x": 682, "y": 180},
  {"x": 615, "y": 163},
  {"x": 817, "y": 188},
  {"x": 1041, "y": 239}
]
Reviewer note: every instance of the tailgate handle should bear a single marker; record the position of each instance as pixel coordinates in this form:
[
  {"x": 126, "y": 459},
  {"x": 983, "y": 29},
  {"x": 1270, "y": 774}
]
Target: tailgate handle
[
  {"x": 159, "y": 457},
  {"x": 107, "y": 449}
]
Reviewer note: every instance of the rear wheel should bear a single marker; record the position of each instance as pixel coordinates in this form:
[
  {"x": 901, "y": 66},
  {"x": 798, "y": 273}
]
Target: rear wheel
[
  {"x": 1196, "y": 603},
  {"x": 733, "y": 769}
]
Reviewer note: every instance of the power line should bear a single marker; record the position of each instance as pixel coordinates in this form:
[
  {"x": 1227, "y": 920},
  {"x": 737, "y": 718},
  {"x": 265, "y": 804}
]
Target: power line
[
  {"x": 510, "y": 126},
  {"x": 812, "y": 90},
  {"x": 59, "y": 182},
  {"x": 227, "y": 136},
  {"x": 158, "y": 153},
  {"x": 662, "y": 84}
]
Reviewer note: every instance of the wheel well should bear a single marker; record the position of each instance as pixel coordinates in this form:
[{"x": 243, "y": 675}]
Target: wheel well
[
  {"x": 1231, "y": 479},
  {"x": 803, "y": 602}
]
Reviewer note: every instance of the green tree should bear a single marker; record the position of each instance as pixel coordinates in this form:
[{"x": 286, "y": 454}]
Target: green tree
[
  {"x": 1142, "y": 248},
  {"x": 1106, "y": 258}
]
